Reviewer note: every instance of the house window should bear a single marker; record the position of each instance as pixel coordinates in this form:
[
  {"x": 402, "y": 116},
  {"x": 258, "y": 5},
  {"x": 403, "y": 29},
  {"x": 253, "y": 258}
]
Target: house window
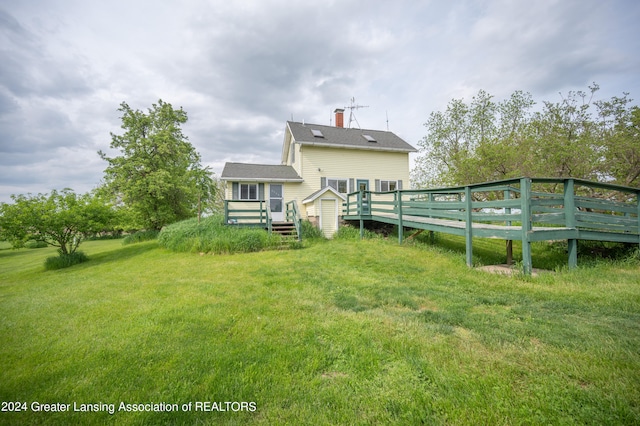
[
  {"x": 388, "y": 185},
  {"x": 340, "y": 185},
  {"x": 248, "y": 191}
]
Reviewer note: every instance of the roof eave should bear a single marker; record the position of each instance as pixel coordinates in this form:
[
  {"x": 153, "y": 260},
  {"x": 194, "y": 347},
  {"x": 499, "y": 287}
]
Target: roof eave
[
  {"x": 364, "y": 148},
  {"x": 318, "y": 194},
  {"x": 260, "y": 179}
]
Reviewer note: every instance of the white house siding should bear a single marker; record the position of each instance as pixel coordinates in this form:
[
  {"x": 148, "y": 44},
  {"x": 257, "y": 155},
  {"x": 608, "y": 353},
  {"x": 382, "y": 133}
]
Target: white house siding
[
  {"x": 314, "y": 162},
  {"x": 348, "y": 164}
]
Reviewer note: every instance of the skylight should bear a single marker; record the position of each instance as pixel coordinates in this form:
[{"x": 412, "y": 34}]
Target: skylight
[
  {"x": 317, "y": 133},
  {"x": 369, "y": 138}
]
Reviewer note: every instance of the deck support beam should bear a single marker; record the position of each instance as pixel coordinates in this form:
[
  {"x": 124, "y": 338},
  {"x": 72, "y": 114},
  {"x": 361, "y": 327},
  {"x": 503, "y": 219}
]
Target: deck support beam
[
  {"x": 638, "y": 200},
  {"x": 360, "y": 213},
  {"x": 398, "y": 197},
  {"x": 507, "y": 210},
  {"x": 469, "y": 226},
  {"x": 525, "y": 197},
  {"x": 570, "y": 220}
]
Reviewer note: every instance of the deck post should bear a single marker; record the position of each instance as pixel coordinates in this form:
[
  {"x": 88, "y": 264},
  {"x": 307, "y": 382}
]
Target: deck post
[
  {"x": 360, "y": 212},
  {"x": 507, "y": 210},
  {"x": 525, "y": 202},
  {"x": 638, "y": 197},
  {"x": 432, "y": 235},
  {"x": 468, "y": 225},
  {"x": 398, "y": 197},
  {"x": 570, "y": 220}
]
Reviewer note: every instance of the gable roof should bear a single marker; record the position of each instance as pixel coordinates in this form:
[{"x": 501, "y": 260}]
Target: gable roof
[
  {"x": 259, "y": 172},
  {"x": 339, "y": 137},
  {"x": 324, "y": 190}
]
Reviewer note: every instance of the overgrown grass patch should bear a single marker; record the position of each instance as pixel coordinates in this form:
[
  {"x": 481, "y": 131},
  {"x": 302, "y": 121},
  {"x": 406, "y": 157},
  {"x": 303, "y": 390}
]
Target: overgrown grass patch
[
  {"x": 211, "y": 235},
  {"x": 140, "y": 236},
  {"x": 64, "y": 260},
  {"x": 343, "y": 332}
]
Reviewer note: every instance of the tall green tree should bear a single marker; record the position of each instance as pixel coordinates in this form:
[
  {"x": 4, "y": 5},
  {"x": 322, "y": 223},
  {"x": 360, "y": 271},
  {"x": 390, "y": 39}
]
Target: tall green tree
[
  {"x": 157, "y": 174},
  {"x": 61, "y": 219},
  {"x": 620, "y": 126},
  {"x": 623, "y": 150},
  {"x": 456, "y": 137},
  {"x": 484, "y": 140}
]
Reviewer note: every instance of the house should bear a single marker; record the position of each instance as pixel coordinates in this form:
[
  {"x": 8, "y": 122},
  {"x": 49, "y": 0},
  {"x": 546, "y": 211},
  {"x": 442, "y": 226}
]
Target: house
[{"x": 319, "y": 166}]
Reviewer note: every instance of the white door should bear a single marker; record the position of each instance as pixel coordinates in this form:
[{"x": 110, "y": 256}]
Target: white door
[
  {"x": 328, "y": 216},
  {"x": 276, "y": 202}
]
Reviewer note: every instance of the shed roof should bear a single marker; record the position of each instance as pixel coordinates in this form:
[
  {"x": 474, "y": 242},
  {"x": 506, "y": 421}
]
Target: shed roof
[
  {"x": 339, "y": 137},
  {"x": 259, "y": 172},
  {"x": 311, "y": 198}
]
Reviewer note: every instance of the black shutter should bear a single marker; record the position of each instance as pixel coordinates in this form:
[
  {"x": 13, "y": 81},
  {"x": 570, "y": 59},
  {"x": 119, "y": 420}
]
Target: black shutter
[
  {"x": 400, "y": 184},
  {"x": 235, "y": 191},
  {"x": 323, "y": 182},
  {"x": 261, "y": 191}
]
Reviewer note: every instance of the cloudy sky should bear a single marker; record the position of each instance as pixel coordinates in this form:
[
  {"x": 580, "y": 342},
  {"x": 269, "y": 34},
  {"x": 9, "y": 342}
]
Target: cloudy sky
[{"x": 240, "y": 69}]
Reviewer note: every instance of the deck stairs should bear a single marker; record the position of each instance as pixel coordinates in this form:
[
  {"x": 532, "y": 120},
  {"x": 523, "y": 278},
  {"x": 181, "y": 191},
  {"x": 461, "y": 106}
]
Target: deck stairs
[{"x": 287, "y": 230}]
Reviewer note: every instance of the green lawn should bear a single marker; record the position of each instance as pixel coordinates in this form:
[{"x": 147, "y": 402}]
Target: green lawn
[{"x": 340, "y": 332}]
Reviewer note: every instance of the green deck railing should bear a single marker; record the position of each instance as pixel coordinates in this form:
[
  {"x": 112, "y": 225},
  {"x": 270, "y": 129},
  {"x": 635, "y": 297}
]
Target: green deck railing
[
  {"x": 293, "y": 216},
  {"x": 258, "y": 214},
  {"x": 247, "y": 213},
  {"x": 522, "y": 209}
]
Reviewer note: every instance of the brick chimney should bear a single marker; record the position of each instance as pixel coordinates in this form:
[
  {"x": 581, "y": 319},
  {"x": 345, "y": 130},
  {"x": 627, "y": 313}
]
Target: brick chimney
[{"x": 339, "y": 117}]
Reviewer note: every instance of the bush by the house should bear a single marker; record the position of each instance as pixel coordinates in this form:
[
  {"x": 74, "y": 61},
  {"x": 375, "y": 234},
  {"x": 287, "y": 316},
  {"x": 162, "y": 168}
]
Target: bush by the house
[
  {"x": 211, "y": 235},
  {"x": 348, "y": 232},
  {"x": 310, "y": 232}
]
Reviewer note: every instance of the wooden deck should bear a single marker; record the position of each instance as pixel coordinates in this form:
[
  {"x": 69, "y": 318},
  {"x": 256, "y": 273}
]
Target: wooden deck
[
  {"x": 257, "y": 214},
  {"x": 521, "y": 209}
]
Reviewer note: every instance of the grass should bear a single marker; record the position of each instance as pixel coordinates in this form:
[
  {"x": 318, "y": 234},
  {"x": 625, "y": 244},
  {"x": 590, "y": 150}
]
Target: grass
[
  {"x": 140, "y": 236},
  {"x": 341, "y": 332},
  {"x": 211, "y": 235}
]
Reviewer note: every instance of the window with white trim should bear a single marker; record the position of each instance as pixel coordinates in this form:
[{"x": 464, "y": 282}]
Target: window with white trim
[
  {"x": 248, "y": 191},
  {"x": 388, "y": 185},
  {"x": 340, "y": 185}
]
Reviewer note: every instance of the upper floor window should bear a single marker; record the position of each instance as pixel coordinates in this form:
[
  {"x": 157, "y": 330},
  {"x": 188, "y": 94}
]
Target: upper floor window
[
  {"x": 388, "y": 185},
  {"x": 340, "y": 185}
]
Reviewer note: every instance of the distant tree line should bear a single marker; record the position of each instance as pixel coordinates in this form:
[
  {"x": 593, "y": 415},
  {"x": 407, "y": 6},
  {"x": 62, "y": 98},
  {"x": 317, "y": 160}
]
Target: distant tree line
[{"x": 485, "y": 140}]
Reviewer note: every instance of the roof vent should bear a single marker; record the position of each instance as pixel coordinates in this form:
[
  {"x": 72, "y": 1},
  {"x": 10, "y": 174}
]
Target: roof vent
[
  {"x": 369, "y": 138},
  {"x": 317, "y": 133}
]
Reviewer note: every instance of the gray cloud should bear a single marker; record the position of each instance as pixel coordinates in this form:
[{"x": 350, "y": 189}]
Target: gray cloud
[{"x": 241, "y": 69}]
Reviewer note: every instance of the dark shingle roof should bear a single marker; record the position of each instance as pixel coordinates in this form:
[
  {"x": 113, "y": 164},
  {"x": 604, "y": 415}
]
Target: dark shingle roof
[
  {"x": 263, "y": 172},
  {"x": 339, "y": 137}
]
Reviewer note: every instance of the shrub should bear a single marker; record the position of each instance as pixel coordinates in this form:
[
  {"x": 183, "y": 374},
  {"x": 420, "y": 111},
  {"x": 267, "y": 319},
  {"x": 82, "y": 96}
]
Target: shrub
[
  {"x": 310, "y": 232},
  {"x": 34, "y": 244},
  {"x": 348, "y": 232},
  {"x": 64, "y": 260},
  {"x": 140, "y": 236},
  {"x": 212, "y": 235}
]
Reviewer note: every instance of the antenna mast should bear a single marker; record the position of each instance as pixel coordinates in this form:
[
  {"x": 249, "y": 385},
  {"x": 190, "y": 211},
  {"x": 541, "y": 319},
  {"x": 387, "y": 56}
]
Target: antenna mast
[{"x": 352, "y": 116}]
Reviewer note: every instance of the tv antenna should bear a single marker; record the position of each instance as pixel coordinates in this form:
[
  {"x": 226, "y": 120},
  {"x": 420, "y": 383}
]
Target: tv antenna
[{"x": 351, "y": 108}]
